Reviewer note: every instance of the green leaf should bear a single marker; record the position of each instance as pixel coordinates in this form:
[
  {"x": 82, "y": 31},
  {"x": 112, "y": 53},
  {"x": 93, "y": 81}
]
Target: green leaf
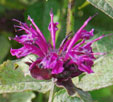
[
  {"x": 100, "y": 23},
  {"x": 4, "y": 48},
  {"x": 84, "y": 95},
  {"x": 104, "y": 5},
  {"x": 62, "y": 96},
  {"x": 17, "y": 97},
  {"x": 62, "y": 23},
  {"x": 18, "y": 79},
  {"x": 2, "y": 9},
  {"x": 103, "y": 67},
  {"x": 28, "y": 2},
  {"x": 12, "y": 4},
  {"x": 103, "y": 95},
  {"x": 80, "y": 96}
]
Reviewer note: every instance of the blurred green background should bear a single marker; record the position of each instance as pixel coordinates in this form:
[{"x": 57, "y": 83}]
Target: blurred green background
[{"x": 39, "y": 11}]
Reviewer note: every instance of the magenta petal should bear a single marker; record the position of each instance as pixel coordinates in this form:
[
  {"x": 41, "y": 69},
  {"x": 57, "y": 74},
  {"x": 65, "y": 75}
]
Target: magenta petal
[
  {"x": 79, "y": 44},
  {"x": 53, "y": 64},
  {"x": 98, "y": 53},
  {"x": 85, "y": 69},
  {"x": 64, "y": 43},
  {"x": 45, "y": 62},
  {"x": 26, "y": 50},
  {"x": 23, "y": 38},
  {"x": 49, "y": 61},
  {"x": 58, "y": 68},
  {"x": 87, "y": 34},
  {"x": 86, "y": 66},
  {"x": 33, "y": 36},
  {"x": 37, "y": 29},
  {"x": 20, "y": 52},
  {"x": 52, "y": 28},
  {"x": 78, "y": 34},
  {"x": 84, "y": 62},
  {"x": 89, "y": 43}
]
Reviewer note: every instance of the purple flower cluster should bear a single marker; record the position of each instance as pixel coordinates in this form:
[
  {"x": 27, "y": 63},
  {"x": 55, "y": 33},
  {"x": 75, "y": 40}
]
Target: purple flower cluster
[{"x": 73, "y": 57}]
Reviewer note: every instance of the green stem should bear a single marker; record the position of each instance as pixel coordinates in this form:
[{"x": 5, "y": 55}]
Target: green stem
[
  {"x": 70, "y": 16},
  {"x": 51, "y": 91}
]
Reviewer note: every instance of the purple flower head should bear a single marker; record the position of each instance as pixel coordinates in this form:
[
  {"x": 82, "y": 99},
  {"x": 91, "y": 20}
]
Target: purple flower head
[{"x": 73, "y": 57}]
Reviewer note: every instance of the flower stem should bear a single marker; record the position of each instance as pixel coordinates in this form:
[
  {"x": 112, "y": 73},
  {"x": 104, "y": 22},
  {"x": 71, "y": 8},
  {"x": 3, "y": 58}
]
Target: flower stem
[
  {"x": 70, "y": 16},
  {"x": 51, "y": 91}
]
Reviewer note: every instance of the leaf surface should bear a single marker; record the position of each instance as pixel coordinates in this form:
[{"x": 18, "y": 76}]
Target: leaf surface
[{"x": 18, "y": 79}]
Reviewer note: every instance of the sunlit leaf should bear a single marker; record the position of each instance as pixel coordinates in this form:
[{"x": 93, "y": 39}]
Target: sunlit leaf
[
  {"x": 80, "y": 96},
  {"x": 17, "y": 97},
  {"x": 62, "y": 96},
  {"x": 18, "y": 79},
  {"x": 104, "y": 5}
]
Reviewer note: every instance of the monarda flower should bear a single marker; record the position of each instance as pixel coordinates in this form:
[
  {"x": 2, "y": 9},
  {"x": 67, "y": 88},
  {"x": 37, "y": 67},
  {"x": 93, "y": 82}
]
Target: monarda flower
[{"x": 73, "y": 57}]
